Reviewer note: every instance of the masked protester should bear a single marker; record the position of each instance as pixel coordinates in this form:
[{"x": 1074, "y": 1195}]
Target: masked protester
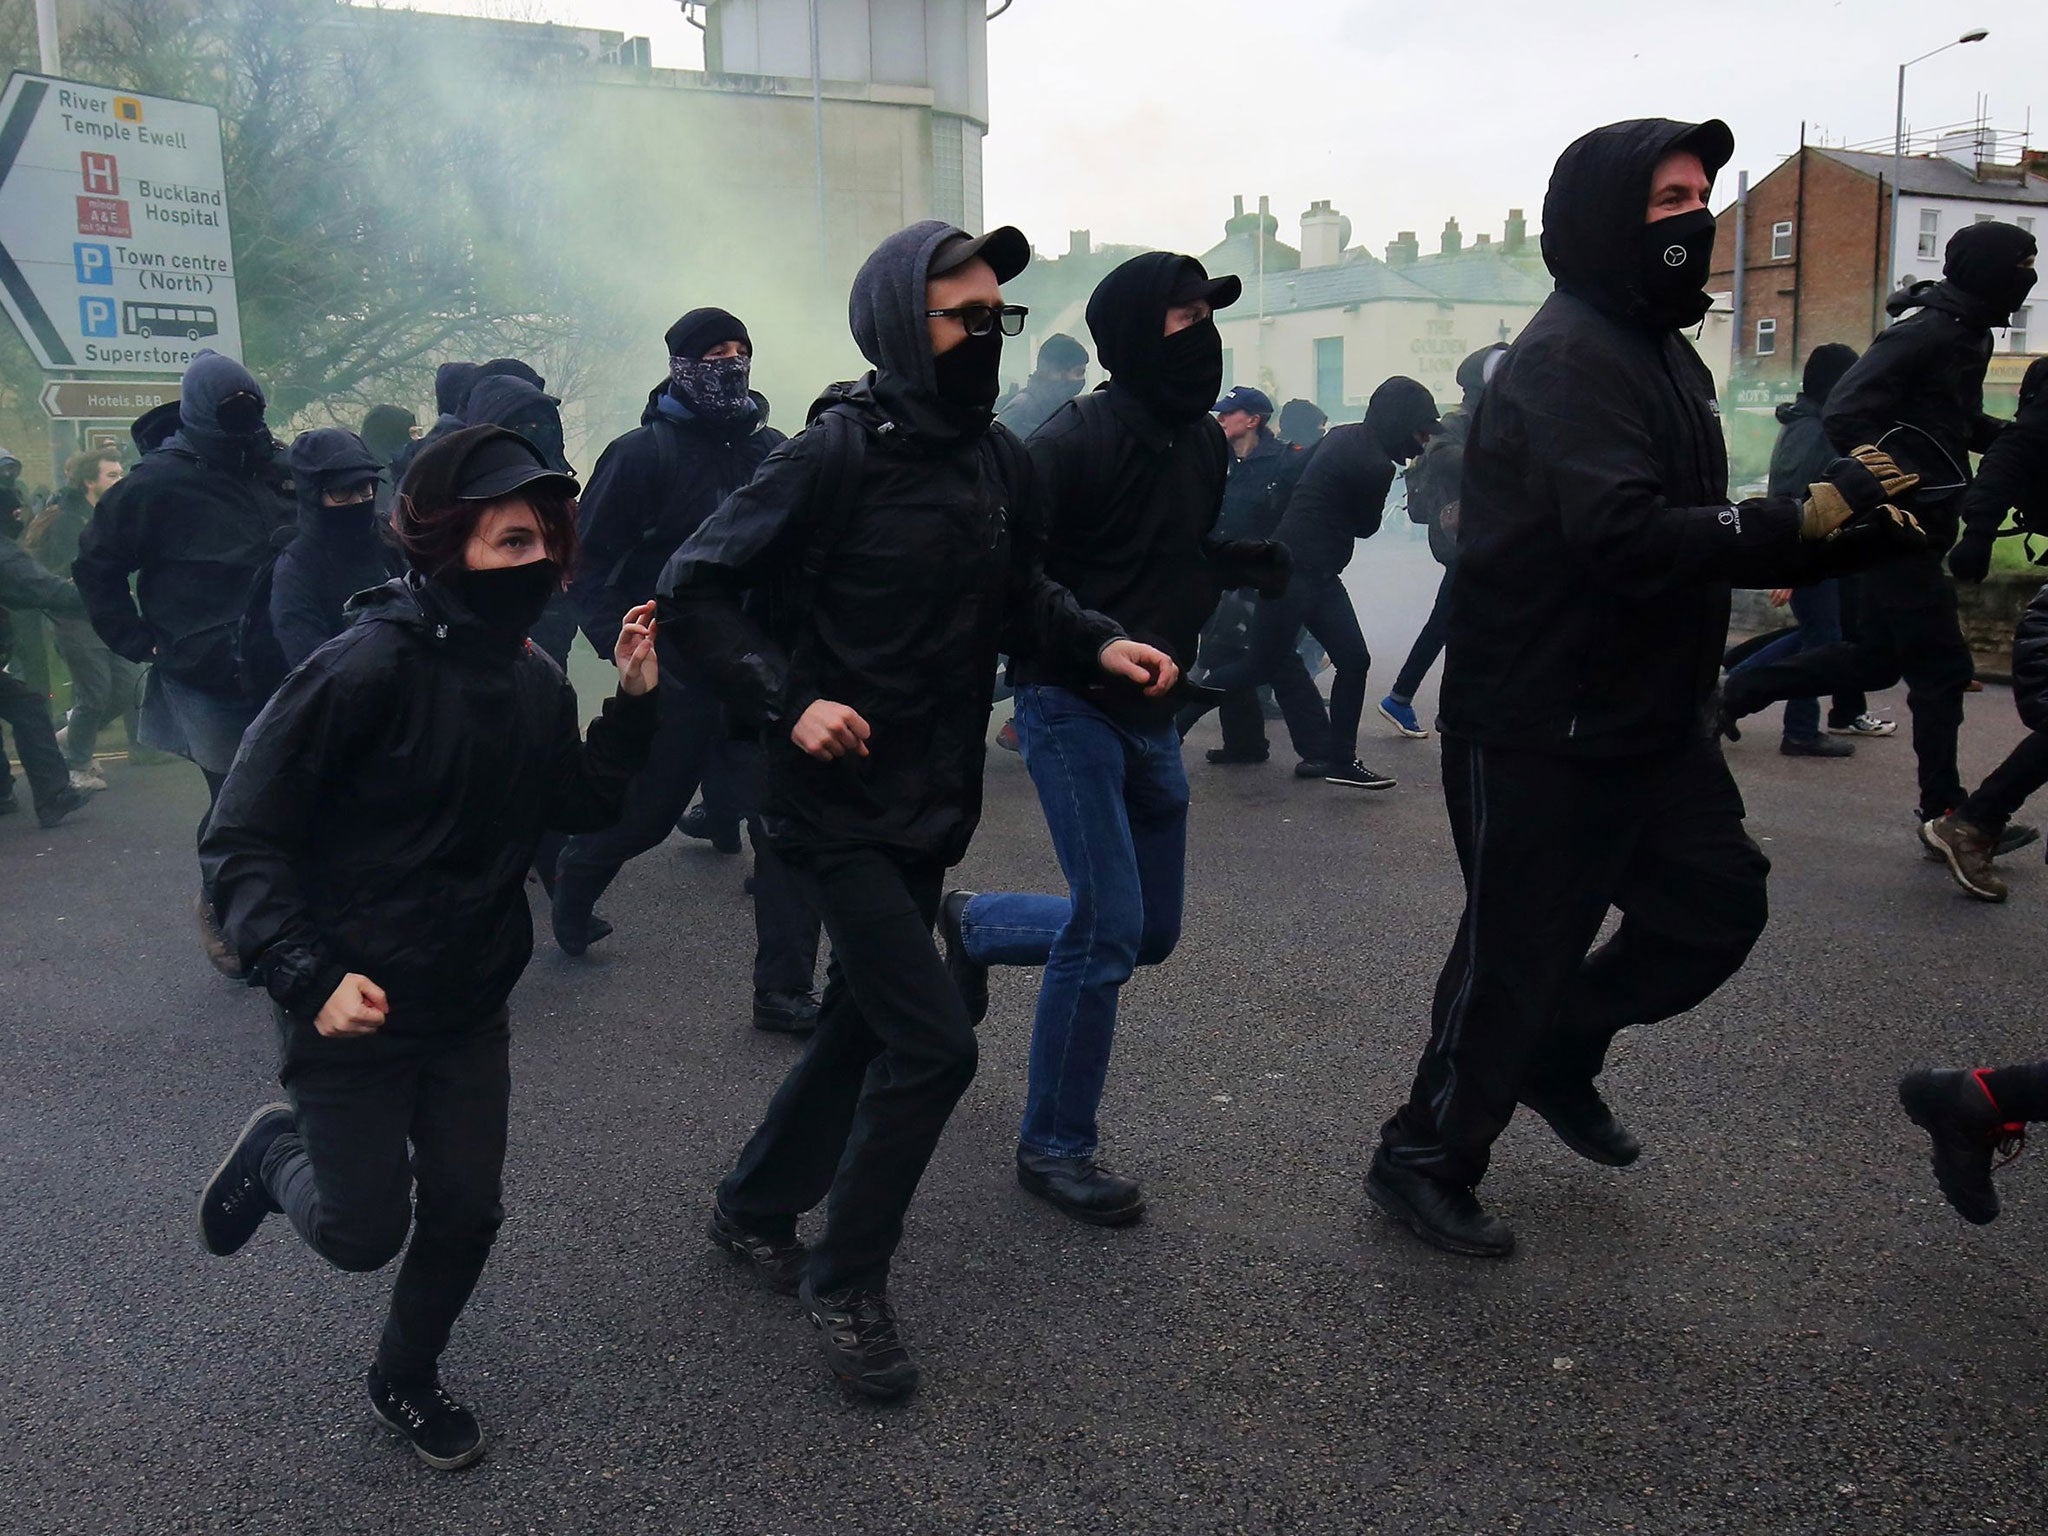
[
  {"x": 1919, "y": 394},
  {"x": 389, "y": 432},
  {"x": 505, "y": 395},
  {"x": 1133, "y": 475},
  {"x": 893, "y": 546},
  {"x": 370, "y": 851},
  {"x": 1433, "y": 483},
  {"x": 193, "y": 523},
  {"x": 1302, "y": 424},
  {"x": 339, "y": 550},
  {"x": 24, "y": 587},
  {"x": 452, "y": 384},
  {"x": 1597, "y": 547},
  {"x": 1061, "y": 373},
  {"x": 699, "y": 440}
]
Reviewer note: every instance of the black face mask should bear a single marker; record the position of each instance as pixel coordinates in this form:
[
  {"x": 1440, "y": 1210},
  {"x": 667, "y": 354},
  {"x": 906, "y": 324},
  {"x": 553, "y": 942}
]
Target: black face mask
[
  {"x": 352, "y": 519},
  {"x": 508, "y": 598},
  {"x": 968, "y": 375},
  {"x": 1190, "y": 371},
  {"x": 1677, "y": 255},
  {"x": 2012, "y": 289}
]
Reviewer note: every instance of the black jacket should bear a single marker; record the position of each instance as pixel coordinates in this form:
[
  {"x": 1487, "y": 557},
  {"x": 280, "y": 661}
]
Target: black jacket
[
  {"x": 198, "y": 532},
  {"x": 1436, "y": 482},
  {"x": 334, "y": 557},
  {"x": 385, "y": 805},
  {"x": 1254, "y": 495},
  {"x": 1035, "y": 404},
  {"x": 1342, "y": 492},
  {"x": 1802, "y": 453},
  {"x": 1597, "y": 543},
  {"x": 650, "y": 491},
  {"x": 930, "y": 566},
  {"x": 26, "y": 584},
  {"x": 2014, "y": 473},
  {"x": 2030, "y": 663},
  {"x": 53, "y": 537},
  {"x": 1925, "y": 371}
]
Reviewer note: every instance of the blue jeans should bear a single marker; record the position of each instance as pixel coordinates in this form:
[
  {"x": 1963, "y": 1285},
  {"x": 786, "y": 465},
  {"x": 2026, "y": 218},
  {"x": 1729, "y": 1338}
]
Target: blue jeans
[
  {"x": 1818, "y": 609},
  {"x": 1116, "y": 803}
]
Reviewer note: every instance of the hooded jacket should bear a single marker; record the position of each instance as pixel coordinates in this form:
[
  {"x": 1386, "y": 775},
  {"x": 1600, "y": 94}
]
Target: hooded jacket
[
  {"x": 1033, "y": 405},
  {"x": 506, "y": 400},
  {"x": 1343, "y": 487},
  {"x": 196, "y": 521},
  {"x": 924, "y": 569},
  {"x": 26, "y": 584},
  {"x": 338, "y": 551},
  {"x": 452, "y": 384},
  {"x": 651, "y": 490},
  {"x": 385, "y": 805},
  {"x": 1802, "y": 453},
  {"x": 1133, "y": 496},
  {"x": 1926, "y": 372},
  {"x": 2014, "y": 474},
  {"x": 2030, "y": 663},
  {"x": 1596, "y": 539}
]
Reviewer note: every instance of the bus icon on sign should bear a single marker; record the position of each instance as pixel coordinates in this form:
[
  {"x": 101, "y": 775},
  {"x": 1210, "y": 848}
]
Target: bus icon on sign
[
  {"x": 190, "y": 321},
  {"x": 127, "y": 110}
]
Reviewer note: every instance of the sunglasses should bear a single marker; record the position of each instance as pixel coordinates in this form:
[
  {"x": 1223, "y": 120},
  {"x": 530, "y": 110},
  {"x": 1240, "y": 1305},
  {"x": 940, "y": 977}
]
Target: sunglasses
[{"x": 980, "y": 319}]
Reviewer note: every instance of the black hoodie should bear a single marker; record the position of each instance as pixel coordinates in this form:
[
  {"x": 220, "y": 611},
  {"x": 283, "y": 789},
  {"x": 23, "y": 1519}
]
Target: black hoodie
[
  {"x": 932, "y": 567},
  {"x": 2014, "y": 474},
  {"x": 1597, "y": 543},
  {"x": 1343, "y": 487},
  {"x": 506, "y": 400},
  {"x": 338, "y": 552}
]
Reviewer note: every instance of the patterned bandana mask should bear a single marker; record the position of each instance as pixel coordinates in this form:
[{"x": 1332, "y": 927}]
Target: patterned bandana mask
[{"x": 715, "y": 387}]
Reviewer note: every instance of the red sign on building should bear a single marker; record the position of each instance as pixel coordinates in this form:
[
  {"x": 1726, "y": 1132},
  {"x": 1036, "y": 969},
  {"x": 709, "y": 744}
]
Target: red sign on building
[
  {"x": 99, "y": 173},
  {"x": 105, "y": 216}
]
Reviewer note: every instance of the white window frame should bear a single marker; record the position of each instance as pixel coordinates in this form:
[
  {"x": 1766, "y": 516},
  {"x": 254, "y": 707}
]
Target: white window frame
[
  {"x": 1930, "y": 233},
  {"x": 2016, "y": 333},
  {"x": 1781, "y": 240},
  {"x": 1766, "y": 337}
]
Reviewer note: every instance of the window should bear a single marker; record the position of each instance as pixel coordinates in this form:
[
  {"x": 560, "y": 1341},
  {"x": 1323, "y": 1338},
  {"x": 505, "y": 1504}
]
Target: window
[
  {"x": 1930, "y": 231},
  {"x": 2026, "y": 222},
  {"x": 2016, "y": 333},
  {"x": 1330, "y": 374},
  {"x": 1229, "y": 367},
  {"x": 1781, "y": 241},
  {"x": 1766, "y": 337}
]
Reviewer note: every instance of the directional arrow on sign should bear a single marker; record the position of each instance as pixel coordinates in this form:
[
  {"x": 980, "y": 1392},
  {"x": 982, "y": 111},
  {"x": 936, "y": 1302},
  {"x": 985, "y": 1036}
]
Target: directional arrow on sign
[{"x": 104, "y": 399}]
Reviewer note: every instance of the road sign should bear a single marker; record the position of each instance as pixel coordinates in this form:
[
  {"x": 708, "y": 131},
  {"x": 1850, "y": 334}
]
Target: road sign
[
  {"x": 104, "y": 399},
  {"x": 114, "y": 250}
]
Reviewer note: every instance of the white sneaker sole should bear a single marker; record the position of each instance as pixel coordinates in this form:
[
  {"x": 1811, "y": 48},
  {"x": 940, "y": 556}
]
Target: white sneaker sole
[
  {"x": 1947, "y": 855},
  {"x": 1417, "y": 734}
]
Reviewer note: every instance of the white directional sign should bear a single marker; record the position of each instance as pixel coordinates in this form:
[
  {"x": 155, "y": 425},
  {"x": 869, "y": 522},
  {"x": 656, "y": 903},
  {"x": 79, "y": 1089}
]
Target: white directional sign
[{"x": 114, "y": 252}]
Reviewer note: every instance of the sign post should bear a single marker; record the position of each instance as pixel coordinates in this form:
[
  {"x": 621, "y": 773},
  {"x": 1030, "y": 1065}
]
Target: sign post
[{"x": 114, "y": 247}]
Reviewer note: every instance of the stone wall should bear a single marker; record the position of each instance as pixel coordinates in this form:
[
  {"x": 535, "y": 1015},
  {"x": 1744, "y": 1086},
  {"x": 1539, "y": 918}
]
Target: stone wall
[{"x": 1989, "y": 613}]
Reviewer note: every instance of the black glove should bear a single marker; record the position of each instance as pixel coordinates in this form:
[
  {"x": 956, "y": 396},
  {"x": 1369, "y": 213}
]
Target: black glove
[
  {"x": 1873, "y": 537},
  {"x": 1262, "y": 564},
  {"x": 1852, "y": 486},
  {"x": 1970, "y": 560}
]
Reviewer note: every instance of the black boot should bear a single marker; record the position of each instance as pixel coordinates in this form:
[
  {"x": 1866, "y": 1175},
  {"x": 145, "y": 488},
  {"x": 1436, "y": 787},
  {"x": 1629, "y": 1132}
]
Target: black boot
[
  {"x": 1447, "y": 1216},
  {"x": 857, "y": 1335},
  {"x": 1080, "y": 1187},
  {"x": 721, "y": 835},
  {"x": 235, "y": 1201},
  {"x": 969, "y": 978},
  {"x": 442, "y": 1432},
  {"x": 786, "y": 1013},
  {"x": 1583, "y": 1122},
  {"x": 779, "y": 1265},
  {"x": 576, "y": 926},
  {"x": 1956, "y": 1110}
]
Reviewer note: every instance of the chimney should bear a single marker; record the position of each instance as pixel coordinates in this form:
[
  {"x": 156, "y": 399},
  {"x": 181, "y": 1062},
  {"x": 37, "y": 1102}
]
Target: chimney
[
  {"x": 1454, "y": 240},
  {"x": 1481, "y": 242},
  {"x": 1403, "y": 249},
  {"x": 1517, "y": 233},
  {"x": 1078, "y": 242},
  {"x": 1322, "y": 236}
]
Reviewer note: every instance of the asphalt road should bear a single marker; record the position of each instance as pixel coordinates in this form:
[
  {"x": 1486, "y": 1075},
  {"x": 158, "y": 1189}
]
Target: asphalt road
[{"x": 1771, "y": 1324}]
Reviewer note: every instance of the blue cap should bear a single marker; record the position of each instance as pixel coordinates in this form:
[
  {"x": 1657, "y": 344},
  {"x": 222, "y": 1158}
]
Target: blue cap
[{"x": 1244, "y": 398}]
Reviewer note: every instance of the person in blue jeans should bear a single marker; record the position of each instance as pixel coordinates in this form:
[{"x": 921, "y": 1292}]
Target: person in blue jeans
[{"x": 1133, "y": 478}]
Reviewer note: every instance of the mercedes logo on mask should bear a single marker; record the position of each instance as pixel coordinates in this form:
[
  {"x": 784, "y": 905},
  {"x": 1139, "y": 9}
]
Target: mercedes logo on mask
[{"x": 1674, "y": 255}]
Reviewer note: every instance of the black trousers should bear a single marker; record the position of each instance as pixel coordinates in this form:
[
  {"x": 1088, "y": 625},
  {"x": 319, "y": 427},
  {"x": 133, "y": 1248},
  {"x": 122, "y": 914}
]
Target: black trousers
[
  {"x": 690, "y": 740},
  {"x": 1317, "y": 602},
  {"x": 1906, "y": 627},
  {"x": 346, "y": 1183},
  {"x": 860, "y": 1113},
  {"x": 2006, "y": 788},
  {"x": 1548, "y": 844},
  {"x": 1242, "y": 713},
  {"x": 1429, "y": 644},
  {"x": 27, "y": 713}
]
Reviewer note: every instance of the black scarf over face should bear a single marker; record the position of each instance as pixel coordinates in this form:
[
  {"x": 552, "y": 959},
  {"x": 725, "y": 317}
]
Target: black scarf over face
[
  {"x": 1178, "y": 377},
  {"x": 1987, "y": 261}
]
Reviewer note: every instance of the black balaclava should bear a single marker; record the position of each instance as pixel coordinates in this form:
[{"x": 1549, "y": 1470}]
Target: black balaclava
[
  {"x": 1400, "y": 414},
  {"x": 1595, "y": 241},
  {"x": 1177, "y": 377},
  {"x": 1302, "y": 423},
  {"x": 1988, "y": 261},
  {"x": 716, "y": 388},
  {"x": 969, "y": 374},
  {"x": 452, "y": 384},
  {"x": 1825, "y": 366},
  {"x": 499, "y": 400},
  {"x": 1475, "y": 372},
  {"x": 330, "y": 459},
  {"x": 387, "y": 429},
  {"x": 220, "y": 413}
]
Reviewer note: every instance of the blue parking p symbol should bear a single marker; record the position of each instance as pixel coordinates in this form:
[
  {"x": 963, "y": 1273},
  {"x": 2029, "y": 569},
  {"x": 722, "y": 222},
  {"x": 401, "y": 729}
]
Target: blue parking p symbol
[
  {"x": 96, "y": 317},
  {"x": 94, "y": 264}
]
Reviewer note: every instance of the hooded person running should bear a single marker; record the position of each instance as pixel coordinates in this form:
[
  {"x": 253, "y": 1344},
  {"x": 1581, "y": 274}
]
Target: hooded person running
[
  {"x": 1587, "y": 621},
  {"x": 370, "y": 851},
  {"x": 896, "y": 542},
  {"x": 339, "y": 550}
]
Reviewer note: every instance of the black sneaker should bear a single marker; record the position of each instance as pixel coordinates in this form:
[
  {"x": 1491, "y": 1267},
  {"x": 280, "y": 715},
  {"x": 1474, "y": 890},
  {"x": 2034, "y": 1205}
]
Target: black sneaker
[
  {"x": 857, "y": 1335},
  {"x": 54, "y": 808},
  {"x": 234, "y": 1202},
  {"x": 1815, "y": 746},
  {"x": 724, "y": 836},
  {"x": 786, "y": 1013},
  {"x": 778, "y": 1265},
  {"x": 1226, "y": 756},
  {"x": 1446, "y": 1216},
  {"x": 1956, "y": 1110},
  {"x": 968, "y": 976},
  {"x": 1358, "y": 776},
  {"x": 1584, "y": 1123},
  {"x": 1313, "y": 768},
  {"x": 442, "y": 1432}
]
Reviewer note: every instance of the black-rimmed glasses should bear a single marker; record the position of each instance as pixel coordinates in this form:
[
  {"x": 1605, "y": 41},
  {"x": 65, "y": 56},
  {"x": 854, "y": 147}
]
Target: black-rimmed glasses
[{"x": 980, "y": 319}]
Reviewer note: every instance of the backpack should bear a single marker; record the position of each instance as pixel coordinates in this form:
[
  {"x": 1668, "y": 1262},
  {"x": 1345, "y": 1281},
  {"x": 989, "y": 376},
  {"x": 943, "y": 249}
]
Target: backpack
[{"x": 259, "y": 659}]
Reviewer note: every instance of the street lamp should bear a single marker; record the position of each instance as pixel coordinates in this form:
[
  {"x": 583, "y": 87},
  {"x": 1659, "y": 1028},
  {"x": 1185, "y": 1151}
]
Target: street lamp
[{"x": 1975, "y": 35}]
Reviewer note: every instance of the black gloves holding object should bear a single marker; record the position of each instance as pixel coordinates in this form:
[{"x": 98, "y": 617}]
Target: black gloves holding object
[
  {"x": 1852, "y": 511},
  {"x": 1970, "y": 560}
]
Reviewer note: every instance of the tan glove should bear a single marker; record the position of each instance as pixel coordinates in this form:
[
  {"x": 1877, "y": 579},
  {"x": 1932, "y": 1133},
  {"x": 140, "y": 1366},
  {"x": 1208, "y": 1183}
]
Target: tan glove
[
  {"x": 1825, "y": 511},
  {"x": 1895, "y": 480}
]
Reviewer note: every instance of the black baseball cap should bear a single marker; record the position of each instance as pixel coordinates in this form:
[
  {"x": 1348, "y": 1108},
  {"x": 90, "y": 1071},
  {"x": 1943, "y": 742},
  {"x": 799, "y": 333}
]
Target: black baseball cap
[
  {"x": 1195, "y": 283},
  {"x": 484, "y": 463},
  {"x": 1243, "y": 397},
  {"x": 1004, "y": 248}
]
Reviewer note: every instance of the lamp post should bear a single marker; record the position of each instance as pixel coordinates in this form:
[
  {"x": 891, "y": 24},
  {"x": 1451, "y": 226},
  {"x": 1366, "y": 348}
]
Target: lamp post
[{"x": 1975, "y": 35}]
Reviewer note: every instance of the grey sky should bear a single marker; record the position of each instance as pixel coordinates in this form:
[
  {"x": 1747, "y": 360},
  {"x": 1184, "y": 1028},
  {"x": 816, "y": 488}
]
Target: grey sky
[{"x": 1138, "y": 119}]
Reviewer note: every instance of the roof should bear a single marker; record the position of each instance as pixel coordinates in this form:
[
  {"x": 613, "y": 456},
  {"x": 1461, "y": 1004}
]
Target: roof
[
  {"x": 1937, "y": 176},
  {"x": 1481, "y": 275}
]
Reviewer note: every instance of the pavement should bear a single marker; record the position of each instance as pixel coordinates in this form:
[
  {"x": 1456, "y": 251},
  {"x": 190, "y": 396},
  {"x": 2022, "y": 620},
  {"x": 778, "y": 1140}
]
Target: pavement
[{"x": 1770, "y": 1324}]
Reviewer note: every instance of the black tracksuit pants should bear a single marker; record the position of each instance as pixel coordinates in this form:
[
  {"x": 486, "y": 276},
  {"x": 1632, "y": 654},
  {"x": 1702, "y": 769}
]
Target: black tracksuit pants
[
  {"x": 1906, "y": 627},
  {"x": 27, "y": 712},
  {"x": 345, "y": 1180},
  {"x": 1548, "y": 844},
  {"x": 860, "y": 1113},
  {"x": 2006, "y": 788}
]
